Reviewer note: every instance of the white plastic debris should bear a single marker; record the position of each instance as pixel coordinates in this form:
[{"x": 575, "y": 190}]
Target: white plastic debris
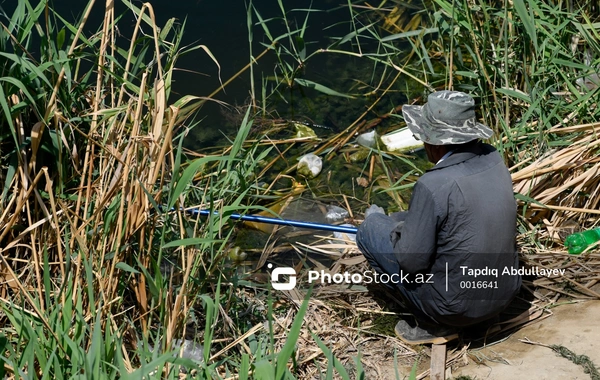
[
  {"x": 401, "y": 140},
  {"x": 336, "y": 214},
  {"x": 310, "y": 165},
  {"x": 368, "y": 140}
]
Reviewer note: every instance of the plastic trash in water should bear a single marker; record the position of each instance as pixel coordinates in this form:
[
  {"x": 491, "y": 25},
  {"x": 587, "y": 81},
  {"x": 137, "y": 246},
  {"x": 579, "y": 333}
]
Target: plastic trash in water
[
  {"x": 401, "y": 140},
  {"x": 368, "y": 140},
  {"x": 336, "y": 214},
  {"x": 310, "y": 165},
  {"x": 360, "y": 155}
]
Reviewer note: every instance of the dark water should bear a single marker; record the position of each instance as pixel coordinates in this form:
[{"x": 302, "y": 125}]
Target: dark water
[{"x": 222, "y": 26}]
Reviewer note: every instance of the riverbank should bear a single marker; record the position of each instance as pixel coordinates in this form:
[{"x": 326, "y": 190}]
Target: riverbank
[{"x": 549, "y": 349}]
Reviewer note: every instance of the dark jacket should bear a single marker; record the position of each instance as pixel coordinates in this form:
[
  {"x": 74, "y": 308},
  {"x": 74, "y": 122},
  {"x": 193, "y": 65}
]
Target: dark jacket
[{"x": 462, "y": 217}]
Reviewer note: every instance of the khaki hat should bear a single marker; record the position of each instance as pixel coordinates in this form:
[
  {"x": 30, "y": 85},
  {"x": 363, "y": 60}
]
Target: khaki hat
[{"x": 448, "y": 117}]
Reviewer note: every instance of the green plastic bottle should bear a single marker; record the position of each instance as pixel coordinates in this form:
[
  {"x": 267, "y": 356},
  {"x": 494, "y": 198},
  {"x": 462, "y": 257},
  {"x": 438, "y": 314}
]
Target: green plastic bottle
[{"x": 578, "y": 242}]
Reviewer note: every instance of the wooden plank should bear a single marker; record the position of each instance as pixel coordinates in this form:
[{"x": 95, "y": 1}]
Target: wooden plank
[{"x": 438, "y": 362}]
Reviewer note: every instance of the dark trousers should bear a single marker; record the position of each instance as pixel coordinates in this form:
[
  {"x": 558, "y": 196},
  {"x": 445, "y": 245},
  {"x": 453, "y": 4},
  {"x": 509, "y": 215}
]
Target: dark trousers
[{"x": 374, "y": 239}]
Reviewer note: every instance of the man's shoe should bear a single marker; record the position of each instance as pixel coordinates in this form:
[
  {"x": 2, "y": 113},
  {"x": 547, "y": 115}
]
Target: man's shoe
[{"x": 414, "y": 335}]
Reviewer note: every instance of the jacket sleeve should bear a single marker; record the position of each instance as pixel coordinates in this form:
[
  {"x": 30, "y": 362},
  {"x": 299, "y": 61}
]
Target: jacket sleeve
[{"x": 415, "y": 240}]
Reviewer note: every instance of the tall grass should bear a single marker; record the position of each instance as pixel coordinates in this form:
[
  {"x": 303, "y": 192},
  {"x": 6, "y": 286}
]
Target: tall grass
[
  {"x": 89, "y": 156},
  {"x": 526, "y": 62}
]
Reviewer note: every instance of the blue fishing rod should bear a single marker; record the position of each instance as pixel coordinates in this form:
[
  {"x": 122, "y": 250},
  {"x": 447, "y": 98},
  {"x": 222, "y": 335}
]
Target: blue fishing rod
[{"x": 281, "y": 222}]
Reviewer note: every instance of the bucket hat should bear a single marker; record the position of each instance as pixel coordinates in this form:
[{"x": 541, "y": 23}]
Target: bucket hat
[{"x": 448, "y": 117}]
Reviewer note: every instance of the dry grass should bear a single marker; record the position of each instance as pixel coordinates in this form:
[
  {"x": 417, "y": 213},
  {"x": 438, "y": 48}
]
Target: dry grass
[
  {"x": 80, "y": 233},
  {"x": 564, "y": 183},
  {"x": 123, "y": 161}
]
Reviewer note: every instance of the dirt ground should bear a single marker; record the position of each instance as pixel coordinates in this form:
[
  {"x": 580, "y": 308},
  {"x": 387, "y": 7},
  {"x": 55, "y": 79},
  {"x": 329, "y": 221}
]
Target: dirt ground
[
  {"x": 576, "y": 326},
  {"x": 573, "y": 325}
]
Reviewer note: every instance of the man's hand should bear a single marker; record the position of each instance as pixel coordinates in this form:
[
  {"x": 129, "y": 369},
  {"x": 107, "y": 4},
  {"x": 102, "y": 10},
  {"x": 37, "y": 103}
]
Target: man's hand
[{"x": 374, "y": 209}]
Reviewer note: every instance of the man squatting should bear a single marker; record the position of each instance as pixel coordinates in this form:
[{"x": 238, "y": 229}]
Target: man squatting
[{"x": 462, "y": 213}]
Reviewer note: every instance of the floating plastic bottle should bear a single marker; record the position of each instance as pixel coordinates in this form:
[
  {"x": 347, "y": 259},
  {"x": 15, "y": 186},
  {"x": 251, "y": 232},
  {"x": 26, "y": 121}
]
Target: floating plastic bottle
[
  {"x": 578, "y": 242},
  {"x": 310, "y": 165}
]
